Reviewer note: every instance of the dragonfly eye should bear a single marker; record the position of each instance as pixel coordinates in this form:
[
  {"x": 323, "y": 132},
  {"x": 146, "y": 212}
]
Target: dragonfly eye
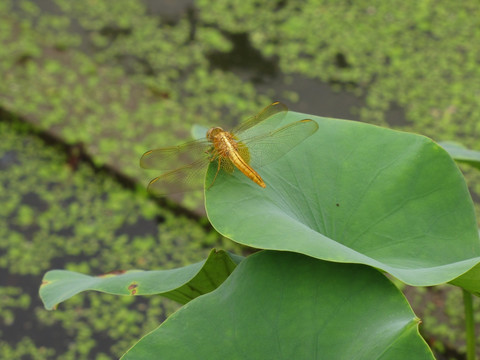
[{"x": 212, "y": 132}]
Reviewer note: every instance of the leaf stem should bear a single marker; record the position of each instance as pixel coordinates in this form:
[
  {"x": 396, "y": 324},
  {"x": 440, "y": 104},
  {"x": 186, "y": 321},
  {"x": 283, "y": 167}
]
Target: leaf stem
[{"x": 469, "y": 324}]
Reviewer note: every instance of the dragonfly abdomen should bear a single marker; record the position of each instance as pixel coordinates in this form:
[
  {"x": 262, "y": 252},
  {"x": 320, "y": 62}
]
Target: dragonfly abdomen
[{"x": 227, "y": 147}]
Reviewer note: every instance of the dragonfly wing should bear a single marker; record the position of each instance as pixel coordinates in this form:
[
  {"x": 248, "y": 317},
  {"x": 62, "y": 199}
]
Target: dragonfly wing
[
  {"x": 187, "y": 178},
  {"x": 171, "y": 157},
  {"x": 262, "y": 126},
  {"x": 267, "y": 148}
]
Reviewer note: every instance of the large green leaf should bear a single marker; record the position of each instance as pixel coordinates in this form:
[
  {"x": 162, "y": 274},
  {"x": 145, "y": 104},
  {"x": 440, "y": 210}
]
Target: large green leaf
[
  {"x": 280, "y": 305},
  {"x": 469, "y": 280},
  {"x": 354, "y": 192},
  {"x": 461, "y": 154},
  {"x": 182, "y": 284}
]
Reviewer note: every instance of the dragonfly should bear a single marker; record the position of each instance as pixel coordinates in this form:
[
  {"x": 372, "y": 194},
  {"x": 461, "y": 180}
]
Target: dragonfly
[{"x": 254, "y": 143}]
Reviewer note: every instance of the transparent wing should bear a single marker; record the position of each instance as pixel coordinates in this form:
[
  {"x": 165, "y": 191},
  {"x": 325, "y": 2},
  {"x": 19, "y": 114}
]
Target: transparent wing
[
  {"x": 269, "y": 147},
  {"x": 259, "y": 120},
  {"x": 189, "y": 162},
  {"x": 175, "y": 156},
  {"x": 186, "y": 178}
]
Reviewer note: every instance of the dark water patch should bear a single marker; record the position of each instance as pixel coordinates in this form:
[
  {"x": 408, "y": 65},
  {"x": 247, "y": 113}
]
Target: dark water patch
[
  {"x": 171, "y": 11},
  {"x": 25, "y": 320},
  {"x": 328, "y": 99},
  {"x": 34, "y": 200},
  {"x": 48, "y": 6},
  {"x": 315, "y": 97},
  {"x": 395, "y": 116},
  {"x": 142, "y": 227},
  {"x": 341, "y": 61},
  {"x": 8, "y": 159},
  {"x": 64, "y": 260},
  {"x": 244, "y": 56}
]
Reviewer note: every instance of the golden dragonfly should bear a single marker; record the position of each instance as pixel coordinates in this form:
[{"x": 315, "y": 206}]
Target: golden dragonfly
[{"x": 252, "y": 144}]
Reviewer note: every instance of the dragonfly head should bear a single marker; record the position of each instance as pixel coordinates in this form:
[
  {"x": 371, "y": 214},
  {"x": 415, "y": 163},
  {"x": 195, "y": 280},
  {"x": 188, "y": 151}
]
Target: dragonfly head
[{"x": 212, "y": 132}]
